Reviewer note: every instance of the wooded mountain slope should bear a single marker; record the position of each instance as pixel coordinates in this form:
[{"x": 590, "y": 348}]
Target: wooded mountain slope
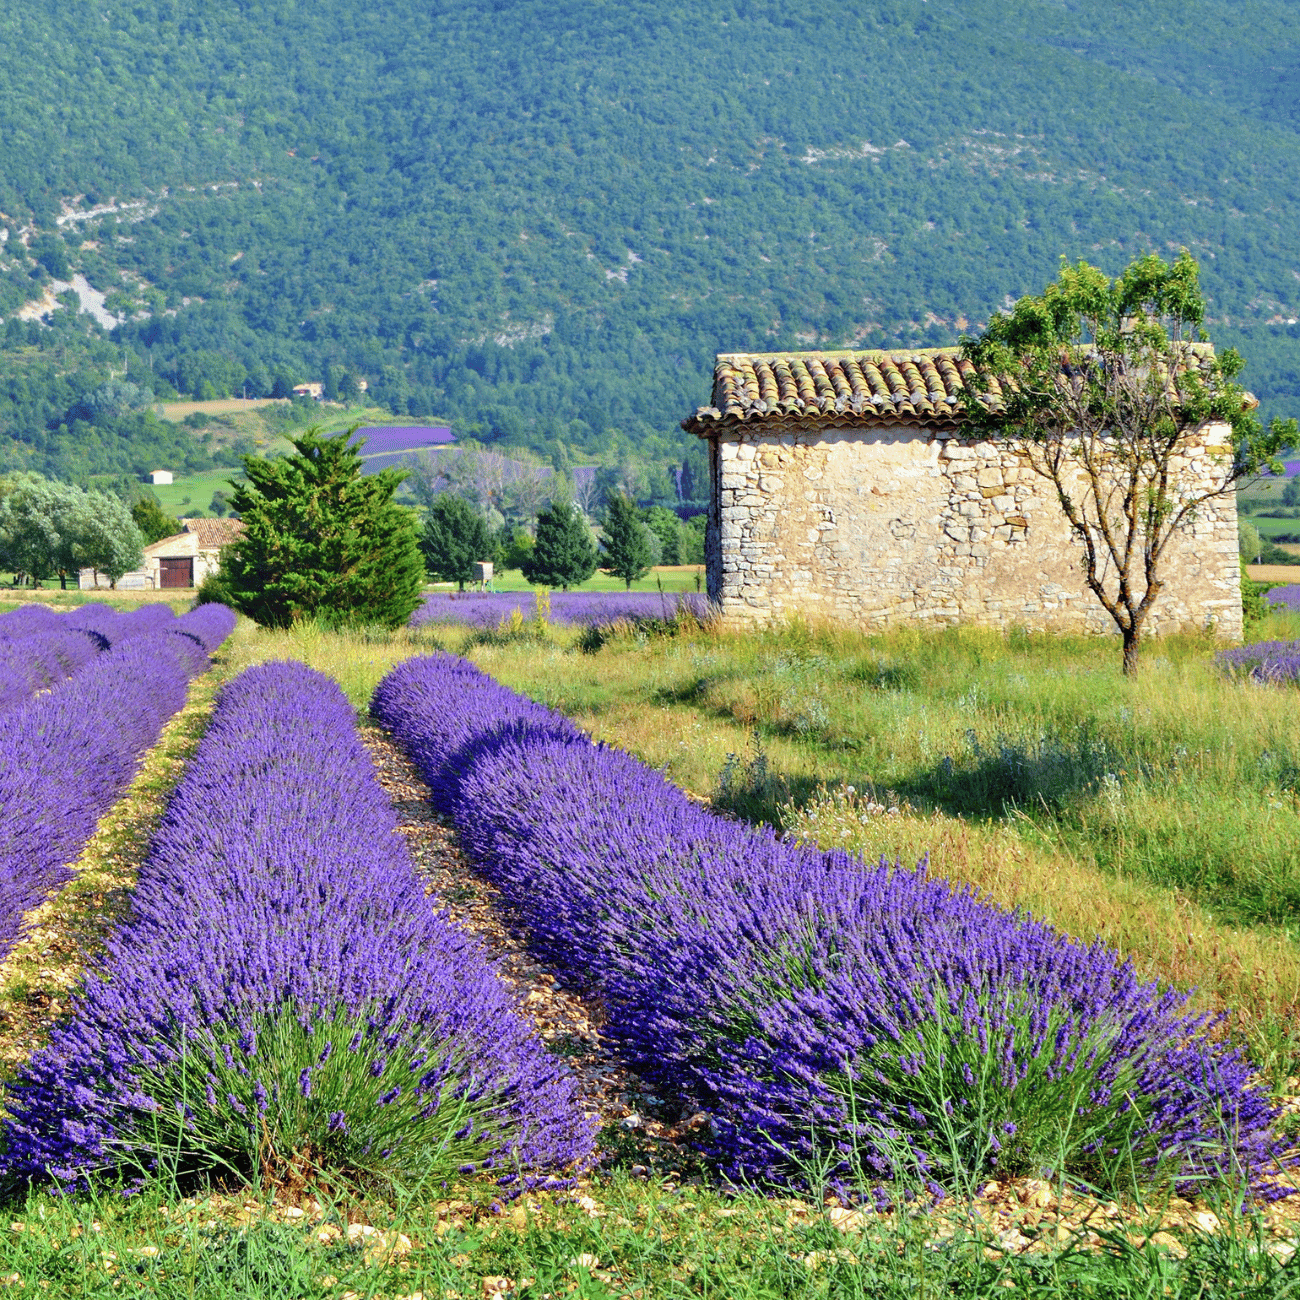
[{"x": 545, "y": 217}]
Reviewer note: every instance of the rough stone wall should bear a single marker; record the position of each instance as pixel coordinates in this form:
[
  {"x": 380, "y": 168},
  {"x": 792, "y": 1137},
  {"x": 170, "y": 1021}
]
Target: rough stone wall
[{"x": 906, "y": 525}]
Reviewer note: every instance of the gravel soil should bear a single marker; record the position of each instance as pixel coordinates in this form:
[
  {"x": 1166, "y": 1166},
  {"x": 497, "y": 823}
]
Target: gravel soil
[{"x": 570, "y": 1024}]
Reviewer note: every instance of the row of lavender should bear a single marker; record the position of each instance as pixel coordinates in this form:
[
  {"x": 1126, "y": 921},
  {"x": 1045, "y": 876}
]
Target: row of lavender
[
  {"x": 489, "y": 609},
  {"x": 40, "y": 648},
  {"x": 862, "y": 1020},
  {"x": 285, "y": 987},
  {"x": 68, "y": 754}
]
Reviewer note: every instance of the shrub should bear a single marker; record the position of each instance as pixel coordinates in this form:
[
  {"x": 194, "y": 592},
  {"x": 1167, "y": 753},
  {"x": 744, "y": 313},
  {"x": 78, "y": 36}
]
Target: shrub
[
  {"x": 321, "y": 540},
  {"x": 863, "y": 1019},
  {"x": 455, "y": 538},
  {"x": 1263, "y": 661},
  {"x": 563, "y": 553}
]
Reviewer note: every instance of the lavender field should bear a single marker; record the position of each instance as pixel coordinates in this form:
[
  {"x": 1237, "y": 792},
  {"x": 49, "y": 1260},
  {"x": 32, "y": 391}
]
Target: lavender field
[
  {"x": 566, "y": 608},
  {"x": 829, "y": 1013},
  {"x": 291, "y": 960},
  {"x": 384, "y": 439},
  {"x": 1286, "y": 597},
  {"x": 67, "y": 753},
  {"x": 291, "y": 1037}
]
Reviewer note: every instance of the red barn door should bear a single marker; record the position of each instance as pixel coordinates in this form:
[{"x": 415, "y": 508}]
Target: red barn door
[{"x": 176, "y": 571}]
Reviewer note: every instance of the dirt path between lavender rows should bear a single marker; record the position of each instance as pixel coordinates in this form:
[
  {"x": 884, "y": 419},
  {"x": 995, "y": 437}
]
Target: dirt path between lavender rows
[{"x": 569, "y": 1024}]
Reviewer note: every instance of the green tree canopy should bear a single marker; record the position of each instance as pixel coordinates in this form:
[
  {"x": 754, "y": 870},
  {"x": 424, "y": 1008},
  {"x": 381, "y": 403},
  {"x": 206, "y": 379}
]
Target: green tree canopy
[
  {"x": 563, "y": 554},
  {"x": 455, "y": 537},
  {"x": 49, "y": 528},
  {"x": 152, "y": 521},
  {"x": 668, "y": 529},
  {"x": 1105, "y": 385},
  {"x": 105, "y": 537},
  {"x": 626, "y": 547},
  {"x": 1249, "y": 542},
  {"x": 321, "y": 540}
]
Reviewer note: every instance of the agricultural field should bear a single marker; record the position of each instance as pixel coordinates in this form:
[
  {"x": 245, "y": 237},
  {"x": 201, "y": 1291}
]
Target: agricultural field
[{"x": 1160, "y": 816}]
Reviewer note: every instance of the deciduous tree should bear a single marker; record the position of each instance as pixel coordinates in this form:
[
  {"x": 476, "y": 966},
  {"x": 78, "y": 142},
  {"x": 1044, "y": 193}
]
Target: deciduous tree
[
  {"x": 1107, "y": 386},
  {"x": 104, "y": 537}
]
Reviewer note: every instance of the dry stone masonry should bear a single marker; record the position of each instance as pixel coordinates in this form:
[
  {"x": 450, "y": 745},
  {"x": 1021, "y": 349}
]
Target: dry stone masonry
[{"x": 842, "y": 489}]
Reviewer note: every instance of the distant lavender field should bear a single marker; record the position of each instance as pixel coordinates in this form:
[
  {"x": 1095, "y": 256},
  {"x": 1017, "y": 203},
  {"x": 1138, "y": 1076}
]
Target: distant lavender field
[
  {"x": 1288, "y": 597},
  {"x": 1263, "y": 661},
  {"x": 1291, "y": 468},
  {"x": 380, "y": 439},
  {"x": 584, "y": 608}
]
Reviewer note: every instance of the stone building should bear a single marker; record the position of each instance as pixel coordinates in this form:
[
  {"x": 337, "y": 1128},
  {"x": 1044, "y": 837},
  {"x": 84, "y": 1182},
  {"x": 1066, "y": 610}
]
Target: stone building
[
  {"x": 843, "y": 489},
  {"x": 182, "y": 560}
]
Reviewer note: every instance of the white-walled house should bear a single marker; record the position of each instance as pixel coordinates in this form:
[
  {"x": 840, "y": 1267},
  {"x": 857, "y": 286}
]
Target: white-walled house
[
  {"x": 182, "y": 560},
  {"x": 161, "y": 477}
]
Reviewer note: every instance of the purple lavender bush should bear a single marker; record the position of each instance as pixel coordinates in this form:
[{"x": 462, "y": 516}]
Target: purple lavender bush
[
  {"x": 1286, "y": 598},
  {"x": 1268, "y": 662},
  {"x": 285, "y": 989},
  {"x": 67, "y": 756},
  {"x": 41, "y": 659},
  {"x": 862, "y": 1020},
  {"x": 493, "y": 609}
]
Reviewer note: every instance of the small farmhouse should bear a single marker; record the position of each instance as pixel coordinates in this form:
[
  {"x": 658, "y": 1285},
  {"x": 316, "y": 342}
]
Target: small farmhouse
[
  {"x": 160, "y": 477},
  {"x": 182, "y": 560},
  {"x": 842, "y": 488}
]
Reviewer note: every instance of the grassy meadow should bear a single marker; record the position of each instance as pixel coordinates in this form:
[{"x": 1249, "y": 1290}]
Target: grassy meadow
[{"x": 1162, "y": 815}]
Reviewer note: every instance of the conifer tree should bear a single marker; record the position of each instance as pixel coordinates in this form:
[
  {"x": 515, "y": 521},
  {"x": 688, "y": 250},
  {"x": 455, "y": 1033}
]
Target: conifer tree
[
  {"x": 564, "y": 554},
  {"x": 320, "y": 540},
  {"x": 627, "y": 549},
  {"x": 455, "y": 537}
]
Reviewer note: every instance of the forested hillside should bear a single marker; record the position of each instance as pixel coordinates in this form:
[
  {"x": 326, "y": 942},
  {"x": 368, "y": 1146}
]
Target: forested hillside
[{"x": 543, "y": 218}]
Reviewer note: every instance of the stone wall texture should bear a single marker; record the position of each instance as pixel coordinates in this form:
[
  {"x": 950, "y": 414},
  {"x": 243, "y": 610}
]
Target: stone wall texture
[{"x": 903, "y": 524}]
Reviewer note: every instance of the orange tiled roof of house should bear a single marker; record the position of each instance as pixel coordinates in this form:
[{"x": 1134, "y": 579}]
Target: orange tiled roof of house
[
  {"x": 845, "y": 388},
  {"x": 213, "y": 534}
]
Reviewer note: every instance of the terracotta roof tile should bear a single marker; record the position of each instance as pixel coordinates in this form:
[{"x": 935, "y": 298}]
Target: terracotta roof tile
[
  {"x": 841, "y": 388},
  {"x": 838, "y": 387},
  {"x": 213, "y": 534}
]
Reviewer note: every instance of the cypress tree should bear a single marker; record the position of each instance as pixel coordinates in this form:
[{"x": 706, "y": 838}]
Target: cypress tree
[
  {"x": 322, "y": 541},
  {"x": 627, "y": 549},
  {"x": 564, "y": 554},
  {"x": 455, "y": 537}
]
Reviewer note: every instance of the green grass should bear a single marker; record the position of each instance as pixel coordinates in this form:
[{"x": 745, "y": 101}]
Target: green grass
[
  {"x": 619, "y": 1237},
  {"x": 1271, "y": 528},
  {"x": 198, "y": 488}
]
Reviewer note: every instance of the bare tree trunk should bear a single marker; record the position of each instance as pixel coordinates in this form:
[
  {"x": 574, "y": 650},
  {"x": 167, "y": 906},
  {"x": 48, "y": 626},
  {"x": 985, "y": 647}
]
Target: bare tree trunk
[{"x": 1131, "y": 646}]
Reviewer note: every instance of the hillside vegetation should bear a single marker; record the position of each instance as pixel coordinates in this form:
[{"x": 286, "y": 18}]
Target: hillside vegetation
[{"x": 543, "y": 219}]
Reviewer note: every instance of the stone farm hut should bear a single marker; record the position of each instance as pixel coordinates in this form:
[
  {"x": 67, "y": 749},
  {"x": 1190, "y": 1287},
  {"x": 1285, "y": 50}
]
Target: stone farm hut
[
  {"x": 842, "y": 488},
  {"x": 182, "y": 560}
]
